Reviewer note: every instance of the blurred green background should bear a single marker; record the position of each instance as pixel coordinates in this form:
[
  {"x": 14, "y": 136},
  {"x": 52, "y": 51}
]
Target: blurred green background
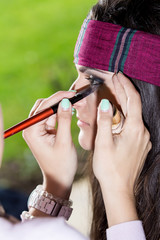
[{"x": 37, "y": 40}]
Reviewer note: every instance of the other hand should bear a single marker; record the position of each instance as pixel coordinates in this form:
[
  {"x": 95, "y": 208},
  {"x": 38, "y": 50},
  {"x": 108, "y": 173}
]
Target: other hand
[
  {"x": 53, "y": 148},
  {"x": 118, "y": 159}
]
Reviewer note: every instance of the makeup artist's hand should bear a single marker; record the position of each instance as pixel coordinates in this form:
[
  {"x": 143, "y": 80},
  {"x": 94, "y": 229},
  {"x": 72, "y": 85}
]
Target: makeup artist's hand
[
  {"x": 54, "y": 149},
  {"x": 1, "y": 136},
  {"x": 119, "y": 159}
]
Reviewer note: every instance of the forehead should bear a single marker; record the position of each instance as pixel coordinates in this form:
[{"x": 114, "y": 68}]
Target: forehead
[
  {"x": 88, "y": 70},
  {"x": 84, "y": 69}
]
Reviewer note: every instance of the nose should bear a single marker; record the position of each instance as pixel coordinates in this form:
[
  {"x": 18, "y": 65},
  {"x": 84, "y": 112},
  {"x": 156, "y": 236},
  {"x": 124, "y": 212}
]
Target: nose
[
  {"x": 80, "y": 104},
  {"x": 77, "y": 85}
]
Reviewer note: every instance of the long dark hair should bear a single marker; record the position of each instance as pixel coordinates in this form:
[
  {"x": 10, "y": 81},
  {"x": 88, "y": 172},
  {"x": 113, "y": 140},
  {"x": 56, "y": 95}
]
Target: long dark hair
[{"x": 142, "y": 15}]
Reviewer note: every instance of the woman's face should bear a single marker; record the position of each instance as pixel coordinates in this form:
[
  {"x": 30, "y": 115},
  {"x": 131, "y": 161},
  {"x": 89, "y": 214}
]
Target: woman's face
[{"x": 86, "y": 108}]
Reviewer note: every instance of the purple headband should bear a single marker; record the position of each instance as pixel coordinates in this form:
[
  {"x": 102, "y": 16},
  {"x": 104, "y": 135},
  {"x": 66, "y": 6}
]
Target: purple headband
[{"x": 114, "y": 48}]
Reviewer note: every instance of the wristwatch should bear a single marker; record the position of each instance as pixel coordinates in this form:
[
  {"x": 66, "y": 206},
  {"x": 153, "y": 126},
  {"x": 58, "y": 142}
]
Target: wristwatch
[{"x": 41, "y": 201}]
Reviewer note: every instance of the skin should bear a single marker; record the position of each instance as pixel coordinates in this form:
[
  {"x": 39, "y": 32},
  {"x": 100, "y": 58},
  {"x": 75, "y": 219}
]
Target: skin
[
  {"x": 123, "y": 155},
  {"x": 116, "y": 181},
  {"x": 118, "y": 158},
  {"x": 87, "y": 108}
]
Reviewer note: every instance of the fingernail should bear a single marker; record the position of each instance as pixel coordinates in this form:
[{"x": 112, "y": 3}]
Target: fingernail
[
  {"x": 120, "y": 72},
  {"x": 72, "y": 91},
  {"x": 73, "y": 111},
  {"x": 65, "y": 104},
  {"x": 104, "y": 105}
]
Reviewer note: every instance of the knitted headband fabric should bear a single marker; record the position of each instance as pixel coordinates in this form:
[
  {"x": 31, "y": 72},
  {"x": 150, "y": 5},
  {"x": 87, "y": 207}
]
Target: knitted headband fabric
[{"x": 110, "y": 47}]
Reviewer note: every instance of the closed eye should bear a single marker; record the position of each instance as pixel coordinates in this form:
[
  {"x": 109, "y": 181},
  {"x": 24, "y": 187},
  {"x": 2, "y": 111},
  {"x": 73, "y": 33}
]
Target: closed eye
[{"x": 95, "y": 80}]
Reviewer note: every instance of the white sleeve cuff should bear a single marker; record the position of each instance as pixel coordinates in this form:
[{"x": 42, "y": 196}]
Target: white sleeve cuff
[{"x": 132, "y": 230}]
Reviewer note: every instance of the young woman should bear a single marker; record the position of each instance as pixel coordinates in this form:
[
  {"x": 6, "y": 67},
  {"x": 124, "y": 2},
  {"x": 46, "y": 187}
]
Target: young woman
[
  {"x": 144, "y": 16},
  {"x": 124, "y": 176}
]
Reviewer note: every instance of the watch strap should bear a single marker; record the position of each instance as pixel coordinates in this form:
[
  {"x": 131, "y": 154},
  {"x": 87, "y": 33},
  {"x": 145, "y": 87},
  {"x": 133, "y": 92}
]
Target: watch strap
[{"x": 48, "y": 206}]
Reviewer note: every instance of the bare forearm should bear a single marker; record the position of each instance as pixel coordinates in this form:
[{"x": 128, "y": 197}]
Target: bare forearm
[{"x": 120, "y": 207}]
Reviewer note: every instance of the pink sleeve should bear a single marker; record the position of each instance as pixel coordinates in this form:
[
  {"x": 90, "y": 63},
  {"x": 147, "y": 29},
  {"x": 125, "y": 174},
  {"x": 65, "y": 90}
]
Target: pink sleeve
[{"x": 132, "y": 230}]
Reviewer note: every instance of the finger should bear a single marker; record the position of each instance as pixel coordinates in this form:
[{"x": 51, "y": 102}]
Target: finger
[
  {"x": 55, "y": 98},
  {"x": 120, "y": 94},
  {"x": 44, "y": 104},
  {"x": 36, "y": 105},
  {"x": 146, "y": 141},
  {"x": 51, "y": 122},
  {"x": 147, "y": 146},
  {"x": 104, "y": 124},
  {"x": 1, "y": 136},
  {"x": 134, "y": 106},
  {"x": 64, "y": 116}
]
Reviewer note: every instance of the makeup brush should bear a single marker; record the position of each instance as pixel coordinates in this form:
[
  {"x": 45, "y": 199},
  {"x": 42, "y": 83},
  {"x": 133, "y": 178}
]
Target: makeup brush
[{"x": 49, "y": 111}]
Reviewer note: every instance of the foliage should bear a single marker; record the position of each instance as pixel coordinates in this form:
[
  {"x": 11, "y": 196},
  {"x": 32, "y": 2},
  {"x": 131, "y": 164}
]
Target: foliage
[{"x": 37, "y": 40}]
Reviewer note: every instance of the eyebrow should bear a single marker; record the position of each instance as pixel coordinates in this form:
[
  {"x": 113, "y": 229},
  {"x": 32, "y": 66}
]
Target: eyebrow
[{"x": 84, "y": 69}]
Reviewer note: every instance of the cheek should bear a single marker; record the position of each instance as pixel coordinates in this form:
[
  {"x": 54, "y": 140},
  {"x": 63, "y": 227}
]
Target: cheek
[
  {"x": 87, "y": 135},
  {"x": 107, "y": 92},
  {"x": 93, "y": 103}
]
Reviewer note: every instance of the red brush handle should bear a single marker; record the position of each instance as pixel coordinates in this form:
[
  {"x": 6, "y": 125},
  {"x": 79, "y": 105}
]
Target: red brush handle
[{"x": 28, "y": 122}]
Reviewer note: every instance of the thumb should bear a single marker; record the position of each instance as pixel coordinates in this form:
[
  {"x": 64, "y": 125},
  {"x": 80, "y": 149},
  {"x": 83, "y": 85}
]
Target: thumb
[
  {"x": 64, "y": 116},
  {"x": 104, "y": 124}
]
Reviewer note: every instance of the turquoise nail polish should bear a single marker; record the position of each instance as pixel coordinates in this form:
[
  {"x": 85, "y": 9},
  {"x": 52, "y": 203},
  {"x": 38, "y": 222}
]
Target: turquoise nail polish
[
  {"x": 65, "y": 104},
  {"x": 73, "y": 111},
  {"x": 72, "y": 91},
  {"x": 104, "y": 105}
]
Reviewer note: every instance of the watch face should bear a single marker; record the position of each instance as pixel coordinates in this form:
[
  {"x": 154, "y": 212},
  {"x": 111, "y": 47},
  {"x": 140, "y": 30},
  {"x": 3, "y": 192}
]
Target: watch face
[{"x": 34, "y": 196}]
